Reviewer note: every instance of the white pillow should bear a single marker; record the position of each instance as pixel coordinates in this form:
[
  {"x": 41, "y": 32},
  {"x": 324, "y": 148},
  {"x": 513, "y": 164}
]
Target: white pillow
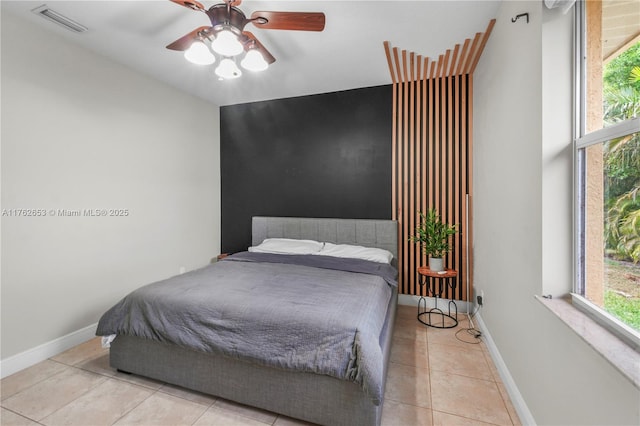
[
  {"x": 287, "y": 246},
  {"x": 356, "y": 252}
]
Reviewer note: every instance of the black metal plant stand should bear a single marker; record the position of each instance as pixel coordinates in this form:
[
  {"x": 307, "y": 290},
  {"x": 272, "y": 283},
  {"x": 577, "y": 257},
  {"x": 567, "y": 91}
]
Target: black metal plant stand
[{"x": 436, "y": 283}]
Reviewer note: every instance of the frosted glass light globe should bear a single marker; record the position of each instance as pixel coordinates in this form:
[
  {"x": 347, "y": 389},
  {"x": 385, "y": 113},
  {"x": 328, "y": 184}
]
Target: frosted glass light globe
[
  {"x": 253, "y": 61},
  {"x": 198, "y": 53},
  {"x": 226, "y": 44},
  {"x": 228, "y": 69}
]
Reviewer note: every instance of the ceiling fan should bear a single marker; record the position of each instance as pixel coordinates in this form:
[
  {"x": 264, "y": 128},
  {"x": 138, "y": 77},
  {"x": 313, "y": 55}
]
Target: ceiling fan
[{"x": 226, "y": 36}]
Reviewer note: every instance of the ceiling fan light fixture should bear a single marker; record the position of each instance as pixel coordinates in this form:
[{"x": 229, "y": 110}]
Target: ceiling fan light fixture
[
  {"x": 226, "y": 43},
  {"x": 227, "y": 40},
  {"x": 228, "y": 69},
  {"x": 253, "y": 61},
  {"x": 198, "y": 53}
]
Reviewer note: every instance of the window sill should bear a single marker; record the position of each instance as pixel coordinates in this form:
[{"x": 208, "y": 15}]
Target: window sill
[{"x": 618, "y": 353}]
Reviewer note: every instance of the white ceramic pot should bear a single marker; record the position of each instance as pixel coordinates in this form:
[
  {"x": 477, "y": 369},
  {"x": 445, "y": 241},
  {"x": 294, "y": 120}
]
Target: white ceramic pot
[{"x": 436, "y": 264}]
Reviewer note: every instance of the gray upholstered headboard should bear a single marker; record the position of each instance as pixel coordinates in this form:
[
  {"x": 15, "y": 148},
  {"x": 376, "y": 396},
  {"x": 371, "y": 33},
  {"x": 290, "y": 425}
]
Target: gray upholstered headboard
[{"x": 363, "y": 232}]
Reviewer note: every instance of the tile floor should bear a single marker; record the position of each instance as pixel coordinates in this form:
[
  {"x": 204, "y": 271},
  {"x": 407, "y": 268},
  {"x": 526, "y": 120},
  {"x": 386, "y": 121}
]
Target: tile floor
[{"x": 433, "y": 379}]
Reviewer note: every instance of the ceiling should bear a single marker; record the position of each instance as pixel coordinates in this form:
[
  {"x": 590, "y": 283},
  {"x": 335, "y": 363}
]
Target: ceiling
[
  {"x": 620, "y": 26},
  {"x": 348, "y": 54}
]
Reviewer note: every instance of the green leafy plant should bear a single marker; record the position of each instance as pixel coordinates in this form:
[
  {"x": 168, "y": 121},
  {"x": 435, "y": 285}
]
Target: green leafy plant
[
  {"x": 432, "y": 234},
  {"x": 634, "y": 76},
  {"x": 621, "y": 99},
  {"x": 622, "y": 227}
]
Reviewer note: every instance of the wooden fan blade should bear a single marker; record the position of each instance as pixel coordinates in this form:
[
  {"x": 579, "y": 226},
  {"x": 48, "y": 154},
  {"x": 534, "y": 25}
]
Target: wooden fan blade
[
  {"x": 184, "y": 42},
  {"x": 191, "y": 4},
  {"x": 265, "y": 53},
  {"x": 299, "y": 21}
]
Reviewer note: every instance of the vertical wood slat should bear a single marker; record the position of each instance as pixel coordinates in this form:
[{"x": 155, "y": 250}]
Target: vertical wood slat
[
  {"x": 472, "y": 53},
  {"x": 410, "y": 183},
  {"x": 425, "y": 128},
  {"x": 456, "y": 255},
  {"x": 424, "y": 169},
  {"x": 457, "y": 173},
  {"x": 405, "y": 175},
  {"x": 397, "y": 214},
  {"x": 464, "y": 179},
  {"x": 432, "y": 152},
  {"x": 483, "y": 43},
  {"x": 463, "y": 55},
  {"x": 449, "y": 212},
  {"x": 418, "y": 155},
  {"x": 470, "y": 175},
  {"x": 435, "y": 161}
]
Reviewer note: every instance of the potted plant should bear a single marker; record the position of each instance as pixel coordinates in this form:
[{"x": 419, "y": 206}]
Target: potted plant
[{"x": 433, "y": 236}]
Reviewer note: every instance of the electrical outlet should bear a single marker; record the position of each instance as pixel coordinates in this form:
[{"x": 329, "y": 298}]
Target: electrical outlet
[{"x": 480, "y": 298}]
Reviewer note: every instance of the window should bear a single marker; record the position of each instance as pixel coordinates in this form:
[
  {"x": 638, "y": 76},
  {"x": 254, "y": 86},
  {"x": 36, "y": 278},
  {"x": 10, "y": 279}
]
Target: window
[{"x": 608, "y": 164}]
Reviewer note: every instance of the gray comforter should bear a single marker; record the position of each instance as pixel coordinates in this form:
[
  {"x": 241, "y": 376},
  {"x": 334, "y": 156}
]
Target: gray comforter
[{"x": 306, "y": 313}]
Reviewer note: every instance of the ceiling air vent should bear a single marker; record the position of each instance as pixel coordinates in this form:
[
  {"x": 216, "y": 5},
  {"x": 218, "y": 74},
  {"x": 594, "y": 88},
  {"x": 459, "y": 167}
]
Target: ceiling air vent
[{"x": 59, "y": 19}]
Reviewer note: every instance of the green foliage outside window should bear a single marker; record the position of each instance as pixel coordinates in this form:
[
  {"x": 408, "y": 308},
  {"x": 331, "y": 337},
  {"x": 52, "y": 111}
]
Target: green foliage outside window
[{"x": 622, "y": 158}]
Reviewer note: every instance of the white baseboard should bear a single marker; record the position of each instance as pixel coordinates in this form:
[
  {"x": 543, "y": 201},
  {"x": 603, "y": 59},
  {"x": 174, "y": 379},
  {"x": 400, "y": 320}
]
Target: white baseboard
[
  {"x": 526, "y": 418},
  {"x": 30, "y": 357}
]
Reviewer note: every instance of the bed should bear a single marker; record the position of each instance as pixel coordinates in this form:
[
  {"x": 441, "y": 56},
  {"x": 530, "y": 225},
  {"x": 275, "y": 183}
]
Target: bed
[{"x": 267, "y": 376}]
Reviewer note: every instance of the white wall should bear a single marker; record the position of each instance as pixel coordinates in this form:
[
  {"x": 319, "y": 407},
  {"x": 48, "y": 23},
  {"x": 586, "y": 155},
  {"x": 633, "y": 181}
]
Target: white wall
[
  {"x": 522, "y": 221},
  {"x": 82, "y": 132}
]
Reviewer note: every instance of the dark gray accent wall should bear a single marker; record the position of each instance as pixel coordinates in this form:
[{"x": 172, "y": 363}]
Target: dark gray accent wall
[{"x": 325, "y": 155}]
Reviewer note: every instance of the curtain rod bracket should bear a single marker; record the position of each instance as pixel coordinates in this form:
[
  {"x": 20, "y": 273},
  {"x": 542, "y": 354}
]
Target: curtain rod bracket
[{"x": 520, "y": 16}]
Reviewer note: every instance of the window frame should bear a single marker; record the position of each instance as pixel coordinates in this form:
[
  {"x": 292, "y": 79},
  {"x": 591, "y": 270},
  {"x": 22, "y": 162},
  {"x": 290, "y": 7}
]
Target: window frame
[{"x": 583, "y": 140}]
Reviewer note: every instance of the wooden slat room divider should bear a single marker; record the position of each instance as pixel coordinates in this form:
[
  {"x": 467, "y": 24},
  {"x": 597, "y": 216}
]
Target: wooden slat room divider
[{"x": 432, "y": 152}]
